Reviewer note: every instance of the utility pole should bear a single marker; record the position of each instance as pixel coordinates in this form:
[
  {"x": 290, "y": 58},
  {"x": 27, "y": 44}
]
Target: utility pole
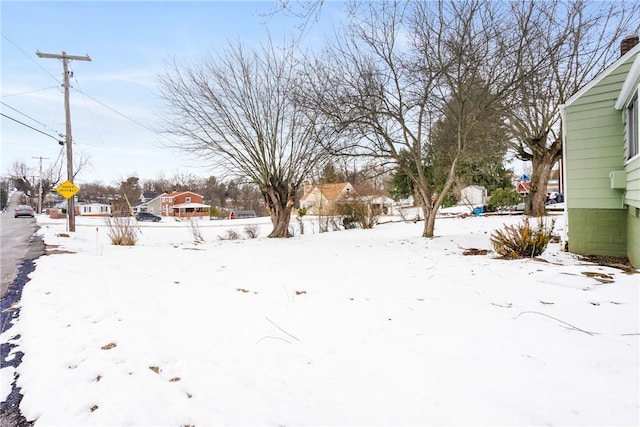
[
  {"x": 71, "y": 212},
  {"x": 40, "y": 184}
]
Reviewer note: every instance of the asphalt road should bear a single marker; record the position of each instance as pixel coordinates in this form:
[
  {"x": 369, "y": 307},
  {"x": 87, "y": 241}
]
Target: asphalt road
[
  {"x": 20, "y": 247},
  {"x": 17, "y": 242}
]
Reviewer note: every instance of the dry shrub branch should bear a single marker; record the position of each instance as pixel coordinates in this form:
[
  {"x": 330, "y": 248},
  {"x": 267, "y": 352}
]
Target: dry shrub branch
[{"x": 121, "y": 230}]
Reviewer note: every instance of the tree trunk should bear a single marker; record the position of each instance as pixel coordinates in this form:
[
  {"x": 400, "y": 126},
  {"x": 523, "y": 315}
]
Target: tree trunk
[
  {"x": 429, "y": 222},
  {"x": 279, "y": 205},
  {"x": 429, "y": 218},
  {"x": 542, "y": 163}
]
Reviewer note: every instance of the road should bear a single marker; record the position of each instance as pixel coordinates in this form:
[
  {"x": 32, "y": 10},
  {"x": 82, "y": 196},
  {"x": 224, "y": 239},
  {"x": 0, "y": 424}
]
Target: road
[
  {"x": 20, "y": 246},
  {"x": 17, "y": 242}
]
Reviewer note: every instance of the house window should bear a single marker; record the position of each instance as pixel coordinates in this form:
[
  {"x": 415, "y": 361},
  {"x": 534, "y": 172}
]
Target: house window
[
  {"x": 632, "y": 127},
  {"x": 187, "y": 199}
]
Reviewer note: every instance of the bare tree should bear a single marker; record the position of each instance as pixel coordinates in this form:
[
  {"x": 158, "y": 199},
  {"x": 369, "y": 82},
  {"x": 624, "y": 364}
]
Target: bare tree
[
  {"x": 240, "y": 110},
  {"x": 571, "y": 42},
  {"x": 386, "y": 83},
  {"x": 29, "y": 181}
]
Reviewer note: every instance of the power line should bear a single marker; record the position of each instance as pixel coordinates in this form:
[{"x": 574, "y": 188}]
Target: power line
[
  {"x": 6, "y": 36},
  {"x": 122, "y": 114},
  {"x": 31, "y": 127},
  {"x": 26, "y": 115},
  {"x": 30, "y": 91}
]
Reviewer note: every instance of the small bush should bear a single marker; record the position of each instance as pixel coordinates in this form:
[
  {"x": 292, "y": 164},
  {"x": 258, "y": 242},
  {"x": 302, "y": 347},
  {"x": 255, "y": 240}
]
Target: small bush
[
  {"x": 356, "y": 213},
  {"x": 349, "y": 222},
  {"x": 251, "y": 231},
  {"x": 122, "y": 231},
  {"x": 195, "y": 231},
  {"x": 301, "y": 213},
  {"x": 520, "y": 241},
  {"x": 503, "y": 198},
  {"x": 231, "y": 235}
]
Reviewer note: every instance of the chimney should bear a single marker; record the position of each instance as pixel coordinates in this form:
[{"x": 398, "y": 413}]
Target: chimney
[{"x": 628, "y": 43}]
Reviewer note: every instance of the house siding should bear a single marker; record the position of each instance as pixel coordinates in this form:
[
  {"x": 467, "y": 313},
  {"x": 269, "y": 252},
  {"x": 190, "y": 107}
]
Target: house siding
[
  {"x": 633, "y": 231},
  {"x": 601, "y": 220},
  {"x": 598, "y": 232},
  {"x": 594, "y": 145},
  {"x": 632, "y": 195}
]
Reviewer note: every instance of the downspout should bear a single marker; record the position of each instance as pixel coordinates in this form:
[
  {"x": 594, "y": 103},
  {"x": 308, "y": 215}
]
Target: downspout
[{"x": 563, "y": 179}]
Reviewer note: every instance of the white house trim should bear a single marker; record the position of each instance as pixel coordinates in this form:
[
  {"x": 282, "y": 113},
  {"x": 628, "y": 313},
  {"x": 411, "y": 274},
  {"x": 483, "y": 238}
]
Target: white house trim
[
  {"x": 629, "y": 86},
  {"x": 602, "y": 75}
]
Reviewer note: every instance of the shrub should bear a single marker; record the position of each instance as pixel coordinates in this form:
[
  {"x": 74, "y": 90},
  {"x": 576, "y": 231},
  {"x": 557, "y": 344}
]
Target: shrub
[
  {"x": 231, "y": 235},
  {"x": 301, "y": 213},
  {"x": 251, "y": 231},
  {"x": 214, "y": 212},
  {"x": 356, "y": 213},
  {"x": 122, "y": 231},
  {"x": 195, "y": 231},
  {"x": 349, "y": 222},
  {"x": 520, "y": 241},
  {"x": 502, "y": 198}
]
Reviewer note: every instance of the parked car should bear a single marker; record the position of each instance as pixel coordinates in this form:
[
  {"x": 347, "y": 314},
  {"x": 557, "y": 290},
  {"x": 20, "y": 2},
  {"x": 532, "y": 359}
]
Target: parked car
[
  {"x": 147, "y": 216},
  {"x": 553, "y": 198},
  {"x": 24, "y": 210},
  {"x": 242, "y": 214}
]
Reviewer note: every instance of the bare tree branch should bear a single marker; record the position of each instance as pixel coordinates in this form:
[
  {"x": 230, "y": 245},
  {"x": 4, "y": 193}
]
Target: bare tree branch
[{"x": 239, "y": 110}]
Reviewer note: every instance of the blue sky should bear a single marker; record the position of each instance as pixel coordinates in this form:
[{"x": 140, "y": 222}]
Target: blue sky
[{"x": 114, "y": 97}]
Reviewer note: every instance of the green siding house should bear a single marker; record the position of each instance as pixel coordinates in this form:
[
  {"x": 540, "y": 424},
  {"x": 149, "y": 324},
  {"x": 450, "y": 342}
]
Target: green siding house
[{"x": 602, "y": 161}]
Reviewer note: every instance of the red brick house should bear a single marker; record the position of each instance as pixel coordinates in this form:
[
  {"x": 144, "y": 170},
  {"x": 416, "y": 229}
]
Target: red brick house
[{"x": 184, "y": 204}]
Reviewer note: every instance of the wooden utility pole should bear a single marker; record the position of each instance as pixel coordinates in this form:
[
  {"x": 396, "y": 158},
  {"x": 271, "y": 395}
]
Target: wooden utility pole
[
  {"x": 71, "y": 212},
  {"x": 40, "y": 184}
]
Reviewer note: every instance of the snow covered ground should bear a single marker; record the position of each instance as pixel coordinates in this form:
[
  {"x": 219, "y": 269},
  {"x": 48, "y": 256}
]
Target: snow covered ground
[{"x": 357, "y": 327}]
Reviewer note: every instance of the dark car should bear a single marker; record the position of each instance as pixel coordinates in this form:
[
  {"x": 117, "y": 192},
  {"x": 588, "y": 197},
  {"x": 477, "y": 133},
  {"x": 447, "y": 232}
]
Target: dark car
[
  {"x": 553, "y": 198},
  {"x": 147, "y": 216},
  {"x": 24, "y": 210}
]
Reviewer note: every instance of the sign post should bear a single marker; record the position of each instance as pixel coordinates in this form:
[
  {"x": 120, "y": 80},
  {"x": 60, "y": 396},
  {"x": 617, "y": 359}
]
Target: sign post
[{"x": 67, "y": 190}]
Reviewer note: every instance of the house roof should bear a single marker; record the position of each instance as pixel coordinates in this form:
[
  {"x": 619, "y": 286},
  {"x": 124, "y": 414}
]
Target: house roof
[
  {"x": 624, "y": 58},
  {"x": 329, "y": 191},
  {"x": 91, "y": 204},
  {"x": 178, "y": 193},
  {"x": 148, "y": 195},
  {"x": 380, "y": 199},
  {"x": 523, "y": 187}
]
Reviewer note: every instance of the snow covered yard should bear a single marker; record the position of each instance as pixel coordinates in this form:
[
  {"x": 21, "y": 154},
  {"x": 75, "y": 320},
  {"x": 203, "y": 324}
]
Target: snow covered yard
[{"x": 358, "y": 327}]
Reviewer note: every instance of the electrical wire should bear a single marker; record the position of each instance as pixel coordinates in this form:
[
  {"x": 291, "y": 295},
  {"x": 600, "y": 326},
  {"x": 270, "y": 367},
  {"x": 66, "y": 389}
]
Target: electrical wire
[
  {"x": 6, "y": 36},
  {"x": 122, "y": 114},
  {"x": 30, "y": 91},
  {"x": 30, "y": 127},
  {"x": 61, "y": 135}
]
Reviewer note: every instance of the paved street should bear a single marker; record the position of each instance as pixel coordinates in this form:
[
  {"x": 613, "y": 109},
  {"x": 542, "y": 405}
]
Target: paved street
[{"x": 17, "y": 242}]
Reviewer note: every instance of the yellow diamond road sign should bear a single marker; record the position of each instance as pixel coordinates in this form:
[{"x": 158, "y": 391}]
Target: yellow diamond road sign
[{"x": 67, "y": 189}]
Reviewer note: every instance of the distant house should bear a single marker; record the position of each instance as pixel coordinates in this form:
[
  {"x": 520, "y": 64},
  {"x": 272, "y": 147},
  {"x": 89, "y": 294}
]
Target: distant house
[
  {"x": 150, "y": 202},
  {"x": 93, "y": 209},
  {"x": 522, "y": 184},
  {"x": 320, "y": 199},
  {"x": 380, "y": 203},
  {"x": 602, "y": 161},
  {"x": 473, "y": 195},
  {"x": 184, "y": 204}
]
